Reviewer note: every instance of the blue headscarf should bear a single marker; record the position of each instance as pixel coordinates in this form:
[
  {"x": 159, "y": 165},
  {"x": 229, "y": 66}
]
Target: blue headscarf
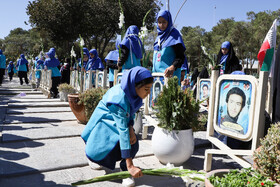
[
  {"x": 51, "y": 61},
  {"x": 132, "y": 40},
  {"x": 225, "y": 44},
  {"x": 39, "y": 63},
  {"x": 11, "y": 65},
  {"x": 238, "y": 73},
  {"x": 95, "y": 62},
  {"x": 22, "y": 60},
  {"x": 113, "y": 55},
  {"x": 85, "y": 51},
  {"x": 129, "y": 79},
  {"x": 170, "y": 36}
]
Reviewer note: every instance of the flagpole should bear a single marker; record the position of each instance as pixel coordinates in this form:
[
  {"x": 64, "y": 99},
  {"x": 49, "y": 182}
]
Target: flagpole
[{"x": 167, "y": 5}]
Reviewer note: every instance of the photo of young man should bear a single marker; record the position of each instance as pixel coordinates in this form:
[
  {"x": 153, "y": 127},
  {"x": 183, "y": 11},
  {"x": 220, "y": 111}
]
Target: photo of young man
[{"x": 235, "y": 101}]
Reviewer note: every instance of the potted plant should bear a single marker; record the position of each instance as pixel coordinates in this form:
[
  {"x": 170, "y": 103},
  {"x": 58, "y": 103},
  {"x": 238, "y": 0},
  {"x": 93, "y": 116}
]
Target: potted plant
[
  {"x": 266, "y": 157},
  {"x": 65, "y": 89},
  {"x": 177, "y": 113},
  {"x": 244, "y": 177},
  {"x": 90, "y": 99}
]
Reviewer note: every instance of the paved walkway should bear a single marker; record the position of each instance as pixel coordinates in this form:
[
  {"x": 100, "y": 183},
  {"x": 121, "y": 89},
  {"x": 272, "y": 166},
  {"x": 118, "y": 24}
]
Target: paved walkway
[{"x": 41, "y": 145}]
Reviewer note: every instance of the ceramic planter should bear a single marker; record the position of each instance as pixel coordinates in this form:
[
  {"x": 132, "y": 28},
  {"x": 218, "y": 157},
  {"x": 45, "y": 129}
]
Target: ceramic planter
[
  {"x": 78, "y": 110},
  {"x": 173, "y": 147},
  {"x": 217, "y": 172},
  {"x": 63, "y": 96}
]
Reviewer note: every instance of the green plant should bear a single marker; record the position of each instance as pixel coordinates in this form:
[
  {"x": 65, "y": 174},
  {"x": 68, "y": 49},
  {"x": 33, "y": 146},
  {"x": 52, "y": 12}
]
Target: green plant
[
  {"x": 66, "y": 88},
  {"x": 267, "y": 157},
  {"x": 90, "y": 98},
  {"x": 244, "y": 177},
  {"x": 177, "y": 109},
  {"x": 192, "y": 174}
]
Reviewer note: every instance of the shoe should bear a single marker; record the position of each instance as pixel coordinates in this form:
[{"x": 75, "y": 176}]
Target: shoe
[
  {"x": 94, "y": 165},
  {"x": 128, "y": 182}
]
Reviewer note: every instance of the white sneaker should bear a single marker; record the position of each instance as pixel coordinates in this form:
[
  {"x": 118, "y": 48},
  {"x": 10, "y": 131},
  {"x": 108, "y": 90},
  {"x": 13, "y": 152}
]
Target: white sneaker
[
  {"x": 128, "y": 182},
  {"x": 94, "y": 165}
]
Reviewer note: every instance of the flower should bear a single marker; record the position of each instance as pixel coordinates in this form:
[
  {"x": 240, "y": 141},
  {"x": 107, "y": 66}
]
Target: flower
[
  {"x": 262, "y": 183},
  {"x": 143, "y": 32},
  {"x": 121, "y": 20},
  {"x": 73, "y": 54},
  {"x": 82, "y": 42}
]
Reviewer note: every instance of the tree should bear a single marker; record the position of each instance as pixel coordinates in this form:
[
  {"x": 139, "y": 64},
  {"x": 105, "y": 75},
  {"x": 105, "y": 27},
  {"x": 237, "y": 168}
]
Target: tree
[
  {"x": 96, "y": 20},
  {"x": 192, "y": 40}
]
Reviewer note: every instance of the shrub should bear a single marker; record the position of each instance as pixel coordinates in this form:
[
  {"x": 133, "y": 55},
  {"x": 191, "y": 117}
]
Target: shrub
[
  {"x": 177, "y": 109},
  {"x": 66, "y": 88},
  {"x": 90, "y": 98},
  {"x": 243, "y": 177},
  {"x": 267, "y": 158}
]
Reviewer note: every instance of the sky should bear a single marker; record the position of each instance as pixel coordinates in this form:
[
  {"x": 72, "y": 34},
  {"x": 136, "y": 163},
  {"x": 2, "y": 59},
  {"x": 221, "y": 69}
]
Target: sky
[{"x": 194, "y": 13}]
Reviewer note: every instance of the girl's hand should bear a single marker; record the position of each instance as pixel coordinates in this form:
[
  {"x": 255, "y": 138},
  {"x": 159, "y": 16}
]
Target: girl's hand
[
  {"x": 169, "y": 71},
  {"x": 132, "y": 135},
  {"x": 135, "y": 172}
]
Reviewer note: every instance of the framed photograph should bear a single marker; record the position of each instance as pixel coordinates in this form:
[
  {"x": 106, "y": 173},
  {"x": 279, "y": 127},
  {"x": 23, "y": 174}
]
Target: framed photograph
[
  {"x": 100, "y": 79},
  {"x": 159, "y": 81},
  {"x": 234, "y": 106},
  {"x": 204, "y": 90},
  {"x": 86, "y": 81}
]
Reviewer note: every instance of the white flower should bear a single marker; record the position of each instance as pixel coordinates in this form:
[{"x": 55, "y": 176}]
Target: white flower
[
  {"x": 204, "y": 50},
  {"x": 82, "y": 42},
  {"x": 143, "y": 32},
  {"x": 168, "y": 165},
  {"x": 121, "y": 20},
  {"x": 73, "y": 54}
]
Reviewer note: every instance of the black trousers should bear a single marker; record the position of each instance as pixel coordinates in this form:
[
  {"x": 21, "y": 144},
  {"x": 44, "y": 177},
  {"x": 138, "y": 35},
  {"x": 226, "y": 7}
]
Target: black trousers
[
  {"x": 55, "y": 83},
  {"x": 21, "y": 75},
  {"x": 2, "y": 72},
  {"x": 11, "y": 74}
]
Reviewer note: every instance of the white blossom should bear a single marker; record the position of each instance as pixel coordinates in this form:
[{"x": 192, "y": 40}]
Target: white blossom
[
  {"x": 121, "y": 20},
  {"x": 204, "y": 50},
  {"x": 168, "y": 165},
  {"x": 73, "y": 54},
  {"x": 82, "y": 42},
  {"x": 143, "y": 32}
]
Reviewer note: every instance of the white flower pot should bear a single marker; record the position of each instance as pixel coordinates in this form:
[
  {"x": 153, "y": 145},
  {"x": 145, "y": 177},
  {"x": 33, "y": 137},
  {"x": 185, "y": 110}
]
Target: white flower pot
[
  {"x": 138, "y": 123},
  {"x": 174, "y": 147},
  {"x": 63, "y": 96}
]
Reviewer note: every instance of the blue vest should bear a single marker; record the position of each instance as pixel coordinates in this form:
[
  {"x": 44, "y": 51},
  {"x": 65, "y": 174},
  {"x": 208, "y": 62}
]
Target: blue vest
[
  {"x": 163, "y": 59},
  {"x": 108, "y": 125},
  {"x": 55, "y": 71},
  {"x": 131, "y": 62},
  {"x": 2, "y": 61},
  {"x": 38, "y": 73},
  {"x": 22, "y": 67}
]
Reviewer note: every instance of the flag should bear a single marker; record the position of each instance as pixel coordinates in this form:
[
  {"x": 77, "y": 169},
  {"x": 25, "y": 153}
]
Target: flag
[{"x": 266, "y": 52}]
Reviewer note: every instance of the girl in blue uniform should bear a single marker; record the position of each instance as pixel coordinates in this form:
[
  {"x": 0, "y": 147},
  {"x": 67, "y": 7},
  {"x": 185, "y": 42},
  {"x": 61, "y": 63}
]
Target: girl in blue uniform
[
  {"x": 39, "y": 65},
  {"x": 111, "y": 62},
  {"x": 109, "y": 134},
  {"x": 10, "y": 69},
  {"x": 22, "y": 67},
  {"x": 169, "y": 47},
  {"x": 94, "y": 62},
  {"x": 131, "y": 49},
  {"x": 53, "y": 64}
]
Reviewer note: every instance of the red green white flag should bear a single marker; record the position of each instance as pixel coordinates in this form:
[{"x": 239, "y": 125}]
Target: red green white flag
[{"x": 266, "y": 53}]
